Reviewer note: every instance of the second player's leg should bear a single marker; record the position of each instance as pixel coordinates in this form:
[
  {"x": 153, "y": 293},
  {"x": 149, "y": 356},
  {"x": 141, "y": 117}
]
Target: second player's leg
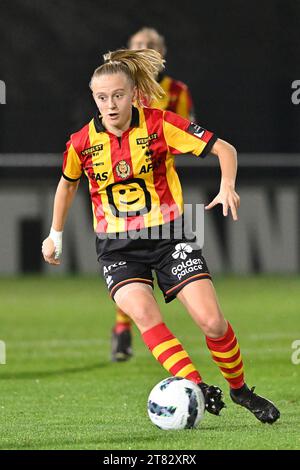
[{"x": 121, "y": 337}]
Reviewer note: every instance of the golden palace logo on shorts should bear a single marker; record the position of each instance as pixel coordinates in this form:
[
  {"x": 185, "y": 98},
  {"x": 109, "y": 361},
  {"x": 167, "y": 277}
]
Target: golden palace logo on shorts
[
  {"x": 181, "y": 250},
  {"x": 123, "y": 169},
  {"x": 187, "y": 267}
]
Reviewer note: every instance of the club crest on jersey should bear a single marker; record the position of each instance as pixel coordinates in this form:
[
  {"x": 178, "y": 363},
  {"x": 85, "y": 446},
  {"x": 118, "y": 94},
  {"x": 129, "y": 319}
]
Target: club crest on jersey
[{"x": 123, "y": 169}]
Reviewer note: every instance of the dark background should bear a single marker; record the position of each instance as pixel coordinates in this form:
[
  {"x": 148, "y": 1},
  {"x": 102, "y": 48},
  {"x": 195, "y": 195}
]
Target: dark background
[{"x": 239, "y": 59}]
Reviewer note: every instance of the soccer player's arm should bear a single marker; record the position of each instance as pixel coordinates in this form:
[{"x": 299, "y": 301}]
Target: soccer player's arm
[
  {"x": 185, "y": 137},
  {"x": 227, "y": 195},
  {"x": 65, "y": 193}
]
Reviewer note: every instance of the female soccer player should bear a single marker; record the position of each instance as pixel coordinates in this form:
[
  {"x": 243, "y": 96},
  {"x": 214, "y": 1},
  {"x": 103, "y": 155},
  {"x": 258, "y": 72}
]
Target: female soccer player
[
  {"x": 127, "y": 153},
  {"x": 177, "y": 98}
]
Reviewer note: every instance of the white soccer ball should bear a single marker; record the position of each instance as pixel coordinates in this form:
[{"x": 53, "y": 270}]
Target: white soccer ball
[{"x": 176, "y": 403}]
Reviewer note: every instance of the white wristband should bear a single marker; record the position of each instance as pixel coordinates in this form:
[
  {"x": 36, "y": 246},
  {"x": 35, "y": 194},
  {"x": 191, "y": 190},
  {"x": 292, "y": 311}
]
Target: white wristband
[{"x": 56, "y": 237}]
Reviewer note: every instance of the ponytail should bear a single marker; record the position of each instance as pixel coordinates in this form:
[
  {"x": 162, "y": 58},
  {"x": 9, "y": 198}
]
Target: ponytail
[{"x": 141, "y": 67}]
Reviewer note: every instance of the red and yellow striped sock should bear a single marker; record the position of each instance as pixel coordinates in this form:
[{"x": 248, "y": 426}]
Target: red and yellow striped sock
[
  {"x": 170, "y": 353},
  {"x": 123, "y": 321},
  {"x": 226, "y": 354}
]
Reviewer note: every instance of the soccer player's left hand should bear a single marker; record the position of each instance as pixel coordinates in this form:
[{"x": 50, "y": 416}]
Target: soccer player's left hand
[
  {"x": 48, "y": 250},
  {"x": 229, "y": 199}
]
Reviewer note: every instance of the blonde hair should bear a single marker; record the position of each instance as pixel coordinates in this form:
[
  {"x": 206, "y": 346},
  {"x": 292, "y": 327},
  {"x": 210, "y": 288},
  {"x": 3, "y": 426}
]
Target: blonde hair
[{"x": 140, "y": 66}]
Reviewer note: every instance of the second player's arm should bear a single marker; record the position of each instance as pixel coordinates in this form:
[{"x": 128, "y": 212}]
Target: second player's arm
[
  {"x": 64, "y": 197},
  {"x": 227, "y": 195}
]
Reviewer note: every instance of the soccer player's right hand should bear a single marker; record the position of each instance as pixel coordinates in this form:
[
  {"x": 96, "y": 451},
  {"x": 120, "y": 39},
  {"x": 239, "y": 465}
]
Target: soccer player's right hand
[{"x": 52, "y": 247}]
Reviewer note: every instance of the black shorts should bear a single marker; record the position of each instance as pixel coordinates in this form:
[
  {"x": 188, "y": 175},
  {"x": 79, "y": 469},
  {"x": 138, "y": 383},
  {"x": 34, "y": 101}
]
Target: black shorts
[{"x": 175, "y": 262}]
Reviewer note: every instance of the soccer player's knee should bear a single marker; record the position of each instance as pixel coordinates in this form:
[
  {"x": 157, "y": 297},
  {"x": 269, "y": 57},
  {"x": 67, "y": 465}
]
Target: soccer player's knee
[
  {"x": 135, "y": 299},
  {"x": 142, "y": 314},
  {"x": 214, "y": 326}
]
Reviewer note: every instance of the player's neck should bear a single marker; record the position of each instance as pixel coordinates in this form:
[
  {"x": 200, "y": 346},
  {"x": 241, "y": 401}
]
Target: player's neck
[{"x": 119, "y": 129}]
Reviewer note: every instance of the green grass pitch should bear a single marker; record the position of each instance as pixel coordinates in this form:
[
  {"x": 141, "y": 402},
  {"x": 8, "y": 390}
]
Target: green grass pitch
[{"x": 59, "y": 389}]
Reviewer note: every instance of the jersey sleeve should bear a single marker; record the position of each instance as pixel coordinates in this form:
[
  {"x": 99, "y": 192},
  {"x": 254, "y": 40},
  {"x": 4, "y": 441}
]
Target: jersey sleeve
[
  {"x": 72, "y": 167},
  {"x": 183, "y": 136}
]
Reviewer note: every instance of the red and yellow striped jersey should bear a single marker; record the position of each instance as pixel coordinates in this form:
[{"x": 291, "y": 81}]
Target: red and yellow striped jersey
[
  {"x": 132, "y": 179},
  {"x": 177, "y": 98}
]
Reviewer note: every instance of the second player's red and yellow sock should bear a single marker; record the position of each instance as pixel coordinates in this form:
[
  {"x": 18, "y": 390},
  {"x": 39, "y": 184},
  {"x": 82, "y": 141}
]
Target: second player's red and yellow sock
[
  {"x": 123, "y": 321},
  {"x": 226, "y": 354},
  {"x": 170, "y": 353}
]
